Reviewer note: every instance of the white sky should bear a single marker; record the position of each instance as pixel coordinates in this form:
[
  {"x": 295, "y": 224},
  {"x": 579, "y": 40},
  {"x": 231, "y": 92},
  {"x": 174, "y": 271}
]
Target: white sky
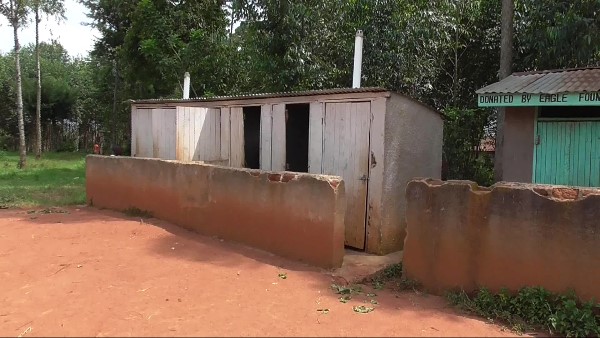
[{"x": 75, "y": 37}]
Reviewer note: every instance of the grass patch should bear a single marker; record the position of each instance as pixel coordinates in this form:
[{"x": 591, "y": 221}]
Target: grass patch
[
  {"x": 534, "y": 308},
  {"x": 58, "y": 179}
]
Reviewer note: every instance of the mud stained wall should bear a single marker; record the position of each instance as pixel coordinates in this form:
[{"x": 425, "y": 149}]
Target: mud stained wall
[
  {"x": 514, "y": 235},
  {"x": 519, "y": 139},
  {"x": 412, "y": 148},
  {"x": 298, "y": 216}
]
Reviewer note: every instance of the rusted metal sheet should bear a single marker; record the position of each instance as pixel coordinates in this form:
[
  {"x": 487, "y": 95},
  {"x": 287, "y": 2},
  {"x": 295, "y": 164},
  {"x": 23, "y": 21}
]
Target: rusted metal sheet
[
  {"x": 548, "y": 82},
  {"x": 270, "y": 95}
]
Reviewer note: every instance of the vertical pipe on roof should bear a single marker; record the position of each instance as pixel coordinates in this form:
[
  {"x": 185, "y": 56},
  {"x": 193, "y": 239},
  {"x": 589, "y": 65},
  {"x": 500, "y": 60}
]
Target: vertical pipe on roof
[
  {"x": 186, "y": 85},
  {"x": 358, "y": 49}
]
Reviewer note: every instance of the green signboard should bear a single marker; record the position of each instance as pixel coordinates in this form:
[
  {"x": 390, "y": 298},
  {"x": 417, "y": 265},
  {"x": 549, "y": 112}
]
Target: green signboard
[{"x": 532, "y": 100}]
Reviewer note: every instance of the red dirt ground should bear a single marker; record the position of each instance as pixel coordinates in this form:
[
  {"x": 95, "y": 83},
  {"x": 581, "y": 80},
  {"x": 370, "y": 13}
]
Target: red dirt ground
[{"x": 91, "y": 272}]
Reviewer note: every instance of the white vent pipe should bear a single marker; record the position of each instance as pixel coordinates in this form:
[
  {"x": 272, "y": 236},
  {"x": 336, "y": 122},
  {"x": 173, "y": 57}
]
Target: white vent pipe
[
  {"x": 186, "y": 85},
  {"x": 358, "y": 51}
]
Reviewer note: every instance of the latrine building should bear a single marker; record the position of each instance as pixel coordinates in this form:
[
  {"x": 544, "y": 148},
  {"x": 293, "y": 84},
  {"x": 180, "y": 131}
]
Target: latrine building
[
  {"x": 551, "y": 126},
  {"x": 376, "y": 140}
]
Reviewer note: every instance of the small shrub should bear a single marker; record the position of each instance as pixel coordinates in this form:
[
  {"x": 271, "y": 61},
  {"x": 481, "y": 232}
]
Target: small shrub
[
  {"x": 535, "y": 307},
  {"x": 573, "y": 320},
  {"x": 393, "y": 271}
]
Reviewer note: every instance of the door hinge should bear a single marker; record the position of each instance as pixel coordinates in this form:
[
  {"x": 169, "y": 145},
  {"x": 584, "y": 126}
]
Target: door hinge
[
  {"x": 363, "y": 178},
  {"x": 537, "y": 140}
]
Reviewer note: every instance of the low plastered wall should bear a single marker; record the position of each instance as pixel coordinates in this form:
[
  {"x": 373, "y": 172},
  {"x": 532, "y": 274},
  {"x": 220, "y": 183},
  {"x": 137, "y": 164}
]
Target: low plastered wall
[
  {"x": 298, "y": 216},
  {"x": 461, "y": 236}
]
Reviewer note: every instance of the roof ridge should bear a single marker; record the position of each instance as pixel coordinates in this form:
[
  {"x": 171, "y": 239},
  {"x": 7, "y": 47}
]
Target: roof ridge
[
  {"x": 547, "y": 82},
  {"x": 548, "y": 71}
]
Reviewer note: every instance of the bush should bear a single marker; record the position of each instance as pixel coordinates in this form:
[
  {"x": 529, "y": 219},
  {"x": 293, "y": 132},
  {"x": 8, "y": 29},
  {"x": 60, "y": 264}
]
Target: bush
[
  {"x": 533, "y": 307},
  {"x": 464, "y": 129}
]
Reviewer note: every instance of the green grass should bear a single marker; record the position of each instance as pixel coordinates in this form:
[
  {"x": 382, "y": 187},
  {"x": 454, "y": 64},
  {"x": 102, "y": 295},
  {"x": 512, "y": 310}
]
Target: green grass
[{"x": 58, "y": 179}]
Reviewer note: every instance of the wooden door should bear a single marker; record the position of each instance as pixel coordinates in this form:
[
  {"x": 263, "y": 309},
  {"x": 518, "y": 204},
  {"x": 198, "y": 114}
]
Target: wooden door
[
  {"x": 141, "y": 133},
  {"x": 164, "y": 126},
  {"x": 346, "y": 153},
  {"x": 199, "y": 134},
  {"x": 567, "y": 153}
]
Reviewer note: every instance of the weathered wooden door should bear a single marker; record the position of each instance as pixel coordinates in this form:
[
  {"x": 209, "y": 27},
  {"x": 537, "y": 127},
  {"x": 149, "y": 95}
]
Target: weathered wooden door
[
  {"x": 199, "y": 134},
  {"x": 346, "y": 153},
  {"x": 141, "y": 133},
  {"x": 567, "y": 153}
]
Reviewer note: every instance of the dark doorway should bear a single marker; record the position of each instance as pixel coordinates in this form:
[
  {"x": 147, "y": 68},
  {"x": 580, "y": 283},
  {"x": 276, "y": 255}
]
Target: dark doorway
[
  {"x": 296, "y": 139},
  {"x": 252, "y": 137}
]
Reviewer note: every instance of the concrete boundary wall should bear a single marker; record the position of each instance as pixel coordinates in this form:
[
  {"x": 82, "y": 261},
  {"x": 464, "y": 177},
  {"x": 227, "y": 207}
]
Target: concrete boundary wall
[
  {"x": 298, "y": 216},
  {"x": 510, "y": 236}
]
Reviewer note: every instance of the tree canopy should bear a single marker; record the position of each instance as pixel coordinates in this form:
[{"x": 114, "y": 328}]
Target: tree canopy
[{"x": 437, "y": 51}]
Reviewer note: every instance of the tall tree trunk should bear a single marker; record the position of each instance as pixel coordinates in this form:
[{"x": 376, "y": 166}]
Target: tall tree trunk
[
  {"x": 22, "y": 146},
  {"x": 38, "y": 104},
  {"x": 506, "y": 56}
]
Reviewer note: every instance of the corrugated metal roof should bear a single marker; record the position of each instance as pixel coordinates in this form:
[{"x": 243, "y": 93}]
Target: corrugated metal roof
[
  {"x": 269, "y": 95},
  {"x": 548, "y": 82}
]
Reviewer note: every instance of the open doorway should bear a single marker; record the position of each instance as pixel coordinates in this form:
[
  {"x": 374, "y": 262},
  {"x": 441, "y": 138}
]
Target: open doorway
[
  {"x": 296, "y": 139},
  {"x": 252, "y": 137}
]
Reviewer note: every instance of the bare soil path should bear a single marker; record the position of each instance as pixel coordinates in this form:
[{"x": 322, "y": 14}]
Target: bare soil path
[{"x": 92, "y": 272}]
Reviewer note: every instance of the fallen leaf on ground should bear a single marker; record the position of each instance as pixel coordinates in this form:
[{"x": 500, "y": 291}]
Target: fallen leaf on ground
[
  {"x": 362, "y": 309},
  {"x": 345, "y": 298}
]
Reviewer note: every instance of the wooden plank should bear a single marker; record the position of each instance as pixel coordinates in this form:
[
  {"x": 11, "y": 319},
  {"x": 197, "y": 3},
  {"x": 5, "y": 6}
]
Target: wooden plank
[
  {"x": 198, "y": 117},
  {"x": 179, "y": 126},
  {"x": 315, "y": 138},
  {"x": 278, "y": 162},
  {"x": 201, "y": 131},
  {"x": 188, "y": 129},
  {"x": 552, "y": 153},
  {"x": 587, "y": 137},
  {"x": 157, "y": 131},
  {"x": 375, "y": 167},
  {"x": 134, "y": 131},
  {"x": 225, "y": 131},
  {"x": 266, "y": 122},
  {"x": 145, "y": 133},
  {"x": 595, "y": 158},
  {"x": 329, "y": 139},
  {"x": 215, "y": 153},
  {"x": 237, "y": 137},
  {"x": 169, "y": 146}
]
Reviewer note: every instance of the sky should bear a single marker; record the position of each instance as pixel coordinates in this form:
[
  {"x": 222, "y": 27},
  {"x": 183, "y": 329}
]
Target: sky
[{"x": 77, "y": 39}]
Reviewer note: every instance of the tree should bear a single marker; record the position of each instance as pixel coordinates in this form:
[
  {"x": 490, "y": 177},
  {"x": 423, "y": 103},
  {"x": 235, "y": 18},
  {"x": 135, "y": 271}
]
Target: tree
[
  {"x": 48, "y": 7},
  {"x": 557, "y": 34},
  {"x": 506, "y": 59},
  {"x": 16, "y": 12}
]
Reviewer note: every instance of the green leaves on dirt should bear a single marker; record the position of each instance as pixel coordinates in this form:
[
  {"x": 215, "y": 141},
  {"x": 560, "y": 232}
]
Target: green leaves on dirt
[
  {"x": 344, "y": 290},
  {"x": 362, "y": 309},
  {"x": 345, "y": 298},
  {"x": 347, "y": 292}
]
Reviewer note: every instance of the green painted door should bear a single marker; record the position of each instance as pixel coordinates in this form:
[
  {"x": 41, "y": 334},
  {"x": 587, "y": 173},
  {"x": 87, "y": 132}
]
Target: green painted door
[{"x": 567, "y": 153}]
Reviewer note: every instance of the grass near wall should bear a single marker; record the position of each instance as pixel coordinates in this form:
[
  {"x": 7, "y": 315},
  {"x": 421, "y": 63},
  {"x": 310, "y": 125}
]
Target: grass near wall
[{"x": 57, "y": 179}]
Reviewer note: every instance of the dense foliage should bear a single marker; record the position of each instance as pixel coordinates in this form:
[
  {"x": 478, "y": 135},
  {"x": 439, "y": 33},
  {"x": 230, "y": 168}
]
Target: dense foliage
[{"x": 438, "y": 51}]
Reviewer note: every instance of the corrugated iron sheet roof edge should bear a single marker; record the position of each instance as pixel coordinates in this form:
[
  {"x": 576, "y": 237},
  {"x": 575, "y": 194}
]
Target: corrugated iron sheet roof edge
[
  {"x": 547, "y": 82},
  {"x": 269, "y": 95}
]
